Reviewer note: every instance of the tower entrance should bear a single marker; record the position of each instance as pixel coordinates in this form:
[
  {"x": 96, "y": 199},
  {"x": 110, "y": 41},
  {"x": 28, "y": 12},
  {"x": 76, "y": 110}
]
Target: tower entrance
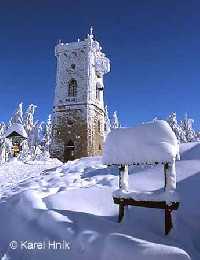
[{"x": 69, "y": 151}]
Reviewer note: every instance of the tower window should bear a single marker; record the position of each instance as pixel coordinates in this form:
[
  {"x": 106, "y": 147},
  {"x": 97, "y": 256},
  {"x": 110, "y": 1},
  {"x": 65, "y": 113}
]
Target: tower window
[
  {"x": 69, "y": 122},
  {"x": 72, "y": 88},
  {"x": 74, "y": 53},
  {"x": 73, "y": 66}
]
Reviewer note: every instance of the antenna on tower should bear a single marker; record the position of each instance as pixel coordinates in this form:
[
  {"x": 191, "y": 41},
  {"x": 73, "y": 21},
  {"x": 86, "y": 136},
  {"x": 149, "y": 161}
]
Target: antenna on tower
[
  {"x": 91, "y": 33},
  {"x": 91, "y": 30},
  {"x": 60, "y": 42}
]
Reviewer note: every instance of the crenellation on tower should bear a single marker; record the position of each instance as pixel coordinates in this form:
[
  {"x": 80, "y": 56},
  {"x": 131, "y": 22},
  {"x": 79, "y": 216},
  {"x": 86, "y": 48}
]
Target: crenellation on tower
[{"x": 78, "y": 110}]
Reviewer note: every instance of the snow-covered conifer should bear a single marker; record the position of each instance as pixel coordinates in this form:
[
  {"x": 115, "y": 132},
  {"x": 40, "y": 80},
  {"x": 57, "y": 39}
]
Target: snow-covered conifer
[
  {"x": 29, "y": 118},
  {"x": 42, "y": 132},
  {"x": 48, "y": 132},
  {"x": 24, "y": 154},
  {"x": 2, "y": 129},
  {"x": 115, "y": 121},
  {"x": 107, "y": 122},
  {"x": 33, "y": 139},
  {"x": 172, "y": 121},
  {"x": 17, "y": 118},
  {"x": 187, "y": 127}
]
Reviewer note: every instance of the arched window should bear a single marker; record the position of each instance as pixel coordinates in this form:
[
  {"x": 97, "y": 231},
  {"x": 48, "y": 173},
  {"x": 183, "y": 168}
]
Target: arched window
[{"x": 72, "y": 88}]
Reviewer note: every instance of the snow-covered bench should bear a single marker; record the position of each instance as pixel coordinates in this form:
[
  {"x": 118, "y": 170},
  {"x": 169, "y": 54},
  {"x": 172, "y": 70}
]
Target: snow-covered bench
[{"x": 149, "y": 143}]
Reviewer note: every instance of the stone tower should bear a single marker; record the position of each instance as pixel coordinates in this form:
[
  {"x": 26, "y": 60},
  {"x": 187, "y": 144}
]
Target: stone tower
[{"x": 78, "y": 111}]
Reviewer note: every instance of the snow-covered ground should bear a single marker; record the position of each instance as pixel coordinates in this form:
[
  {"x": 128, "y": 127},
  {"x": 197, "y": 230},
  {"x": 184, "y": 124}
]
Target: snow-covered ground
[{"x": 49, "y": 202}]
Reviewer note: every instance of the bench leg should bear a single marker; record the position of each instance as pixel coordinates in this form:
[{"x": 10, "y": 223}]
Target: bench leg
[
  {"x": 121, "y": 212},
  {"x": 168, "y": 220}
]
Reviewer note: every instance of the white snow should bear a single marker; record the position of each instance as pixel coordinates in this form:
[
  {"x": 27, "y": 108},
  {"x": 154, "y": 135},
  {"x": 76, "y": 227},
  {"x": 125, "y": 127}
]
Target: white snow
[
  {"x": 150, "y": 142},
  {"x": 147, "y": 196},
  {"x": 190, "y": 151},
  {"x": 119, "y": 245},
  {"x": 73, "y": 202},
  {"x": 18, "y": 128},
  {"x": 171, "y": 177},
  {"x": 123, "y": 178},
  {"x": 16, "y": 176}
]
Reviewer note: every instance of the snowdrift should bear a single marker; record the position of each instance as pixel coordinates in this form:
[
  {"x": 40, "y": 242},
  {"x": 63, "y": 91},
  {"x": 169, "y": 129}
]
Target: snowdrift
[
  {"x": 90, "y": 237},
  {"x": 73, "y": 202}
]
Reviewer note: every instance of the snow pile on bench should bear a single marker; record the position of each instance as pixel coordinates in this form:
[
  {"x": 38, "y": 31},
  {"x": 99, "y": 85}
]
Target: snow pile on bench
[
  {"x": 147, "y": 143},
  {"x": 147, "y": 195}
]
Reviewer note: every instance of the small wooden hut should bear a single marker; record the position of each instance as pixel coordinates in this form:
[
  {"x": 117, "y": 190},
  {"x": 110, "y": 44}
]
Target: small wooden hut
[
  {"x": 17, "y": 134},
  {"x": 149, "y": 143}
]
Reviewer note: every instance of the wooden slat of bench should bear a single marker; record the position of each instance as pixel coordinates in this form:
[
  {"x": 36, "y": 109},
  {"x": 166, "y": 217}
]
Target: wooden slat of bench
[
  {"x": 149, "y": 204},
  {"x": 146, "y": 204}
]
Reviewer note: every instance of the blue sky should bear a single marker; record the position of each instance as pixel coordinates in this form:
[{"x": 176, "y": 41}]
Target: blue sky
[{"x": 153, "y": 45}]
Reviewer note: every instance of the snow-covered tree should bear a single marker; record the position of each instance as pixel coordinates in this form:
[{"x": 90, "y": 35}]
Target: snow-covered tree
[
  {"x": 24, "y": 154},
  {"x": 2, "y": 150},
  {"x": 184, "y": 130},
  {"x": 5, "y": 149},
  {"x": 5, "y": 257},
  {"x": 39, "y": 152},
  {"x": 2, "y": 129},
  {"x": 187, "y": 127},
  {"x": 42, "y": 133},
  {"x": 17, "y": 118},
  {"x": 33, "y": 137},
  {"x": 5, "y": 144},
  {"x": 115, "y": 121},
  {"x": 39, "y": 135},
  {"x": 48, "y": 133},
  {"x": 29, "y": 118},
  {"x": 107, "y": 122},
  {"x": 179, "y": 132}
]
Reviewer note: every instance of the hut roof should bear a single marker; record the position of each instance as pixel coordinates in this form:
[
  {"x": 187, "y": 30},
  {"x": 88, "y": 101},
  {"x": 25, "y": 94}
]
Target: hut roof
[
  {"x": 149, "y": 142},
  {"x": 16, "y": 130}
]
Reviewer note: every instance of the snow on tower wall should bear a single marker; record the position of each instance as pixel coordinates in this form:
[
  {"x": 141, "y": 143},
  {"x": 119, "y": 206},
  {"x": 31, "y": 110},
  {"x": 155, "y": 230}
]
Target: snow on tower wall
[{"x": 78, "y": 111}]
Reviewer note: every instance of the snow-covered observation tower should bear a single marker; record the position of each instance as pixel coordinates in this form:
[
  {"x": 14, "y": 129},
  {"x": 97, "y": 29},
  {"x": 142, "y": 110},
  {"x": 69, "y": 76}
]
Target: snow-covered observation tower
[
  {"x": 149, "y": 143},
  {"x": 17, "y": 134},
  {"x": 78, "y": 111}
]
